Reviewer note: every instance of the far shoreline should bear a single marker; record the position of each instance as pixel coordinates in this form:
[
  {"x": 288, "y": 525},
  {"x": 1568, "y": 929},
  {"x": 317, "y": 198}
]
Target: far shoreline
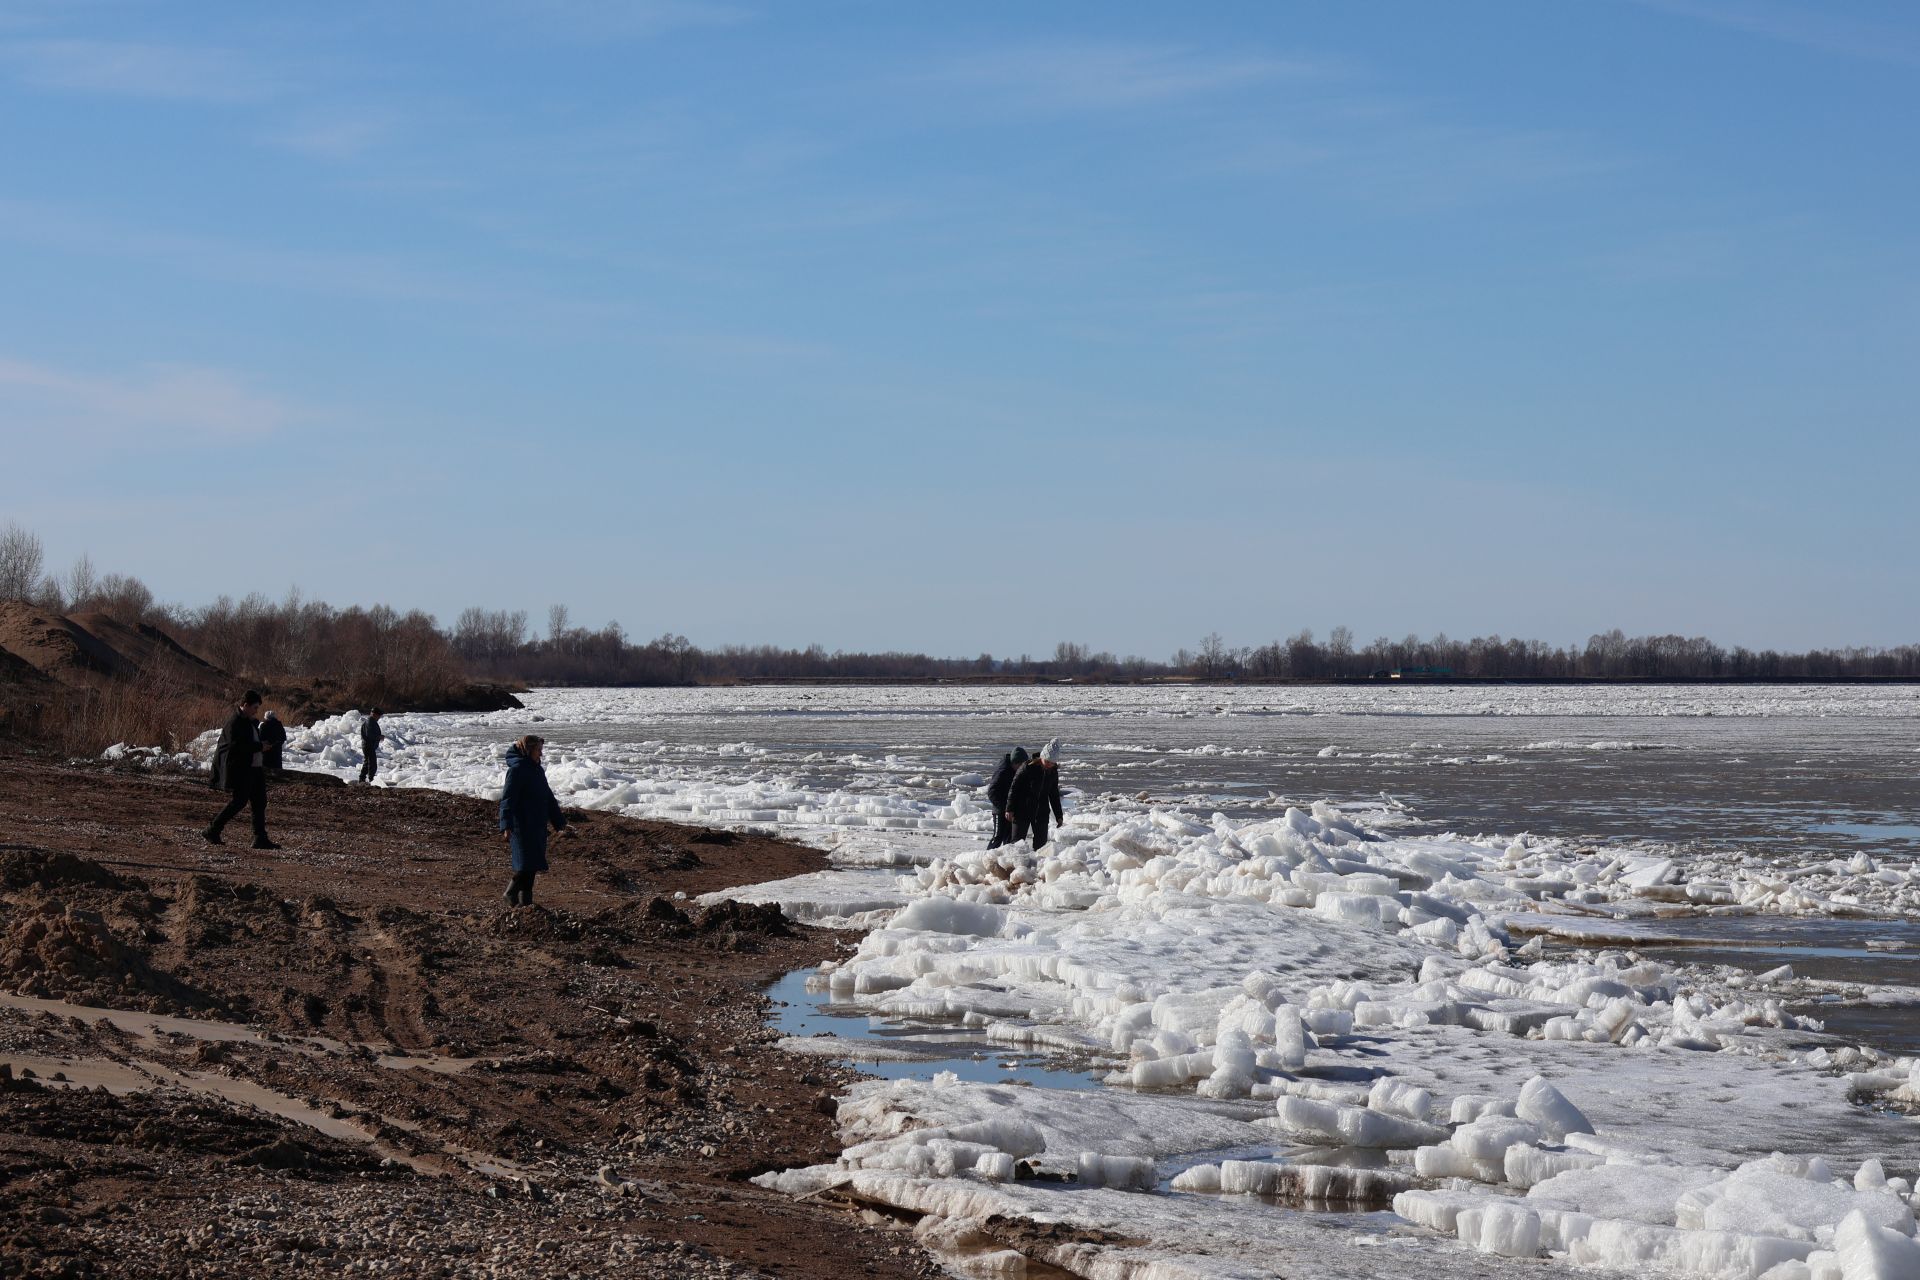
[{"x": 1259, "y": 682}]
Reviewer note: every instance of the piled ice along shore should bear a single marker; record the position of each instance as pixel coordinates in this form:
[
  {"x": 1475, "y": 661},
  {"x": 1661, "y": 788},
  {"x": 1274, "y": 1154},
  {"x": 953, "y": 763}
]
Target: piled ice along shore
[{"x": 1308, "y": 1011}]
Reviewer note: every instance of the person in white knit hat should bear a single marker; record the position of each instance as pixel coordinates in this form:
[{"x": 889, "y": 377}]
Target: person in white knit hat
[{"x": 1035, "y": 792}]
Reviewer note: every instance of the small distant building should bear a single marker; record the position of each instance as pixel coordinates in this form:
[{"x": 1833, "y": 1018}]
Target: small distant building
[{"x": 1422, "y": 673}]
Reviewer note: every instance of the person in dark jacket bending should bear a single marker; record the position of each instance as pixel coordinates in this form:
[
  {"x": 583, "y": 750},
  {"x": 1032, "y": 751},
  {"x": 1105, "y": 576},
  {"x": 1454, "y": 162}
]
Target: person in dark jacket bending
[
  {"x": 997, "y": 792},
  {"x": 526, "y": 807},
  {"x": 370, "y": 736},
  {"x": 1035, "y": 791},
  {"x": 239, "y": 768},
  {"x": 273, "y": 741}
]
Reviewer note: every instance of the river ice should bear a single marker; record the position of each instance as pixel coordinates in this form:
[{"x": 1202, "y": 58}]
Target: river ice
[{"x": 1292, "y": 1000}]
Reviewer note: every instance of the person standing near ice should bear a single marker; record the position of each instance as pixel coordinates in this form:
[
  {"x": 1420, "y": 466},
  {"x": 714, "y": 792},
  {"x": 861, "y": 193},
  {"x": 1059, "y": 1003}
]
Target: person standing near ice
[
  {"x": 998, "y": 791},
  {"x": 370, "y": 737},
  {"x": 239, "y": 768},
  {"x": 1035, "y": 791},
  {"x": 273, "y": 742},
  {"x": 526, "y": 807}
]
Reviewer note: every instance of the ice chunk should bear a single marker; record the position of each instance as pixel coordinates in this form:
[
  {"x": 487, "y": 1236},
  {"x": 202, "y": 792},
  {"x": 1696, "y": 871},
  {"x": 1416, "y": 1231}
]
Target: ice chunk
[
  {"x": 1316, "y": 1183},
  {"x": 1501, "y": 1227},
  {"x": 1290, "y": 1037},
  {"x": 1633, "y": 1192},
  {"x": 1232, "y": 1068},
  {"x": 1162, "y": 1073},
  {"x": 1123, "y": 1173},
  {"x": 1649, "y": 874},
  {"x": 1528, "y": 1166},
  {"x": 1867, "y": 1251},
  {"x": 1327, "y": 1022},
  {"x": 1756, "y": 1195},
  {"x": 951, "y": 915},
  {"x": 1334, "y": 1124},
  {"x": 1443, "y": 1161},
  {"x": 1637, "y": 1246},
  {"x": 1202, "y": 1177},
  {"x": 1548, "y": 1110},
  {"x": 1436, "y": 1210},
  {"x": 996, "y": 1166},
  {"x": 1489, "y": 1137},
  {"x": 1397, "y": 1097},
  {"x": 1467, "y": 1108}
]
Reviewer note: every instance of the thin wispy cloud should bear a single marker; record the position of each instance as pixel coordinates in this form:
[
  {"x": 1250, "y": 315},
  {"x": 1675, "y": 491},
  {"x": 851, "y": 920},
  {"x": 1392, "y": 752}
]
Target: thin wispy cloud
[
  {"x": 369, "y": 275},
  {"x": 1824, "y": 29},
  {"x": 166, "y": 403},
  {"x": 1095, "y": 77},
  {"x": 138, "y": 69},
  {"x": 616, "y": 19},
  {"x": 336, "y": 134}
]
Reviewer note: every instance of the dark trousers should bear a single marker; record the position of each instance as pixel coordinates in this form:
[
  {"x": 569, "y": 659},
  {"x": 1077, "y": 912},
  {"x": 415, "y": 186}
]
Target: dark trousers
[
  {"x": 520, "y": 889},
  {"x": 1002, "y": 830},
  {"x": 254, "y": 795},
  {"x": 369, "y": 764},
  {"x": 1036, "y": 828}
]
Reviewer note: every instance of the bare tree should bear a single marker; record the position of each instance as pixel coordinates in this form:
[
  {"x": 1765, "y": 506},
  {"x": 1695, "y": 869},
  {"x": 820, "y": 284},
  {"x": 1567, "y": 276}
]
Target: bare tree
[
  {"x": 21, "y": 555},
  {"x": 557, "y": 621},
  {"x": 1340, "y": 649},
  {"x": 82, "y": 583},
  {"x": 123, "y": 597},
  {"x": 1214, "y": 658}
]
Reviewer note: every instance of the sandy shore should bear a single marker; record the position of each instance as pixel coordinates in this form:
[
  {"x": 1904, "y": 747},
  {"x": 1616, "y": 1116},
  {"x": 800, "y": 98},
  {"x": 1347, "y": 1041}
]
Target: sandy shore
[{"x": 350, "y": 1057}]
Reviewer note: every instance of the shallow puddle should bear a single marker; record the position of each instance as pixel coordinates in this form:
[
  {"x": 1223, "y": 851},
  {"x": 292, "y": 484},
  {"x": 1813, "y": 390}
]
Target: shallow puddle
[
  {"x": 933, "y": 1046},
  {"x": 1894, "y": 831}
]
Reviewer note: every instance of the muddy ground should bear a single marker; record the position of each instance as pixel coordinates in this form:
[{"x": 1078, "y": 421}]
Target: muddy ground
[{"x": 349, "y": 1056}]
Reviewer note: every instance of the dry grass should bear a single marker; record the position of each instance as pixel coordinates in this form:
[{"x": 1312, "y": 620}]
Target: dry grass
[{"x": 149, "y": 711}]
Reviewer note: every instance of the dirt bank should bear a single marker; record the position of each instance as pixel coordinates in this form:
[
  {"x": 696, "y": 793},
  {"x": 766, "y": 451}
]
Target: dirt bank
[{"x": 350, "y": 1057}]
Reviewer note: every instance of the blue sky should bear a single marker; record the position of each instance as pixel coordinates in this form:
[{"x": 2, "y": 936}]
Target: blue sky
[{"x": 789, "y": 321}]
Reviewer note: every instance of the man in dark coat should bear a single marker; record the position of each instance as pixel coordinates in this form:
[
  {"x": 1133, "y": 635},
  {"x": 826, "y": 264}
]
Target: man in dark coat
[
  {"x": 526, "y": 807},
  {"x": 370, "y": 737},
  {"x": 239, "y": 768},
  {"x": 997, "y": 791},
  {"x": 273, "y": 741},
  {"x": 1035, "y": 791}
]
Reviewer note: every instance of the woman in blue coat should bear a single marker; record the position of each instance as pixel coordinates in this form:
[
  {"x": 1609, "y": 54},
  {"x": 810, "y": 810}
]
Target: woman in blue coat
[{"x": 526, "y": 807}]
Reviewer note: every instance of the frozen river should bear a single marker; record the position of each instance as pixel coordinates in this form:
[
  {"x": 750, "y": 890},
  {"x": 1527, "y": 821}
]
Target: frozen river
[
  {"x": 1548, "y": 975},
  {"x": 1789, "y": 769}
]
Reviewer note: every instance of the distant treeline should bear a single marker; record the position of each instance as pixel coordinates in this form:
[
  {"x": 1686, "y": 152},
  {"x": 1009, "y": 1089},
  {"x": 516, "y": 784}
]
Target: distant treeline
[{"x": 411, "y": 654}]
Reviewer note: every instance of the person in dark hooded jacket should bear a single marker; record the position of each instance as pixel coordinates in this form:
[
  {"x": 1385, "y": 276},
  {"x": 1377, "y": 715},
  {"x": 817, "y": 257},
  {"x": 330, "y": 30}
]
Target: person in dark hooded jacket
[
  {"x": 526, "y": 807},
  {"x": 370, "y": 737},
  {"x": 273, "y": 742},
  {"x": 997, "y": 791},
  {"x": 239, "y": 769},
  {"x": 1035, "y": 791}
]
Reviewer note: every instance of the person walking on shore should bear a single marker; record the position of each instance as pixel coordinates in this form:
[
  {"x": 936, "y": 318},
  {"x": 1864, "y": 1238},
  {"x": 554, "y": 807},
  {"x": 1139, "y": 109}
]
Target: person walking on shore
[
  {"x": 998, "y": 790},
  {"x": 526, "y": 807},
  {"x": 370, "y": 737},
  {"x": 273, "y": 742},
  {"x": 239, "y": 768},
  {"x": 1035, "y": 792}
]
